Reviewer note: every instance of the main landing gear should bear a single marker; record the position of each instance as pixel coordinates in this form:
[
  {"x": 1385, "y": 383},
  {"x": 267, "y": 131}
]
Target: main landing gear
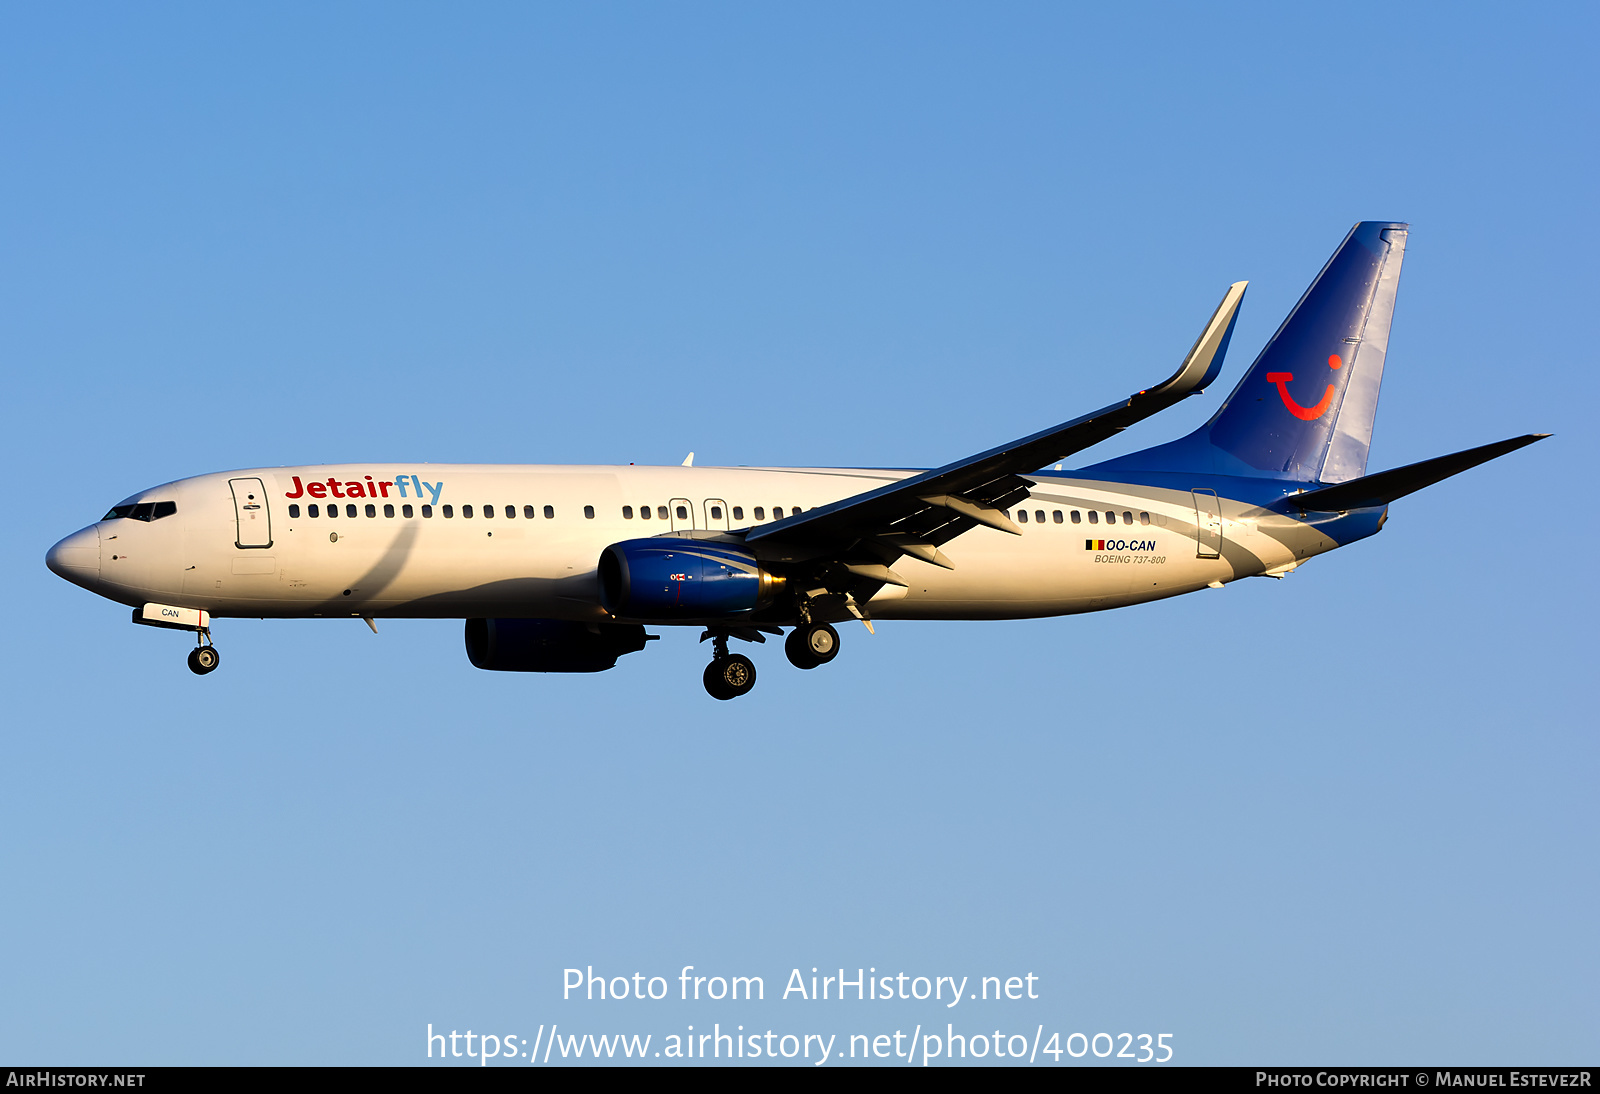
[
  {"x": 810, "y": 645},
  {"x": 204, "y": 657},
  {"x": 731, "y": 675}
]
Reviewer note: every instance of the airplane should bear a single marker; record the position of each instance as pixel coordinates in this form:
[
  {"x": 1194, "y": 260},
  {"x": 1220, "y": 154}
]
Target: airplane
[{"x": 562, "y": 568}]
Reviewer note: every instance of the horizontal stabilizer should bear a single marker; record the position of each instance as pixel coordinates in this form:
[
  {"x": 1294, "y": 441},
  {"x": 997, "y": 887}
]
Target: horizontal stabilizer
[{"x": 1386, "y": 486}]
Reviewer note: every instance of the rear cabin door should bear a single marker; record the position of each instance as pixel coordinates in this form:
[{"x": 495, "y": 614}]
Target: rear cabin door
[
  {"x": 250, "y": 510},
  {"x": 682, "y": 513},
  {"x": 716, "y": 514},
  {"x": 1207, "y": 524}
]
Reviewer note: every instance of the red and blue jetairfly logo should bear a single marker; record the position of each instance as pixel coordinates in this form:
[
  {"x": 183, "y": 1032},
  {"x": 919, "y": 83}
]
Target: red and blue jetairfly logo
[{"x": 404, "y": 486}]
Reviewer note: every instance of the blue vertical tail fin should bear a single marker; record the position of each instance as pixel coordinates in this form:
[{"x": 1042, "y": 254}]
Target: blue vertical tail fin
[{"x": 1304, "y": 410}]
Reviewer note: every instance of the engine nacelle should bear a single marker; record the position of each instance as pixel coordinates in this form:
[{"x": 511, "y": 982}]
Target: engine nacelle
[
  {"x": 669, "y": 578},
  {"x": 550, "y": 645}
]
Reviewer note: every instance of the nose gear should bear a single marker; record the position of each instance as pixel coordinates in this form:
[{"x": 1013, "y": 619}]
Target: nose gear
[{"x": 204, "y": 657}]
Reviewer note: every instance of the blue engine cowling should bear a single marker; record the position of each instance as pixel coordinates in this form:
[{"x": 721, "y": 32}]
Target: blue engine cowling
[
  {"x": 550, "y": 645},
  {"x": 670, "y": 578}
]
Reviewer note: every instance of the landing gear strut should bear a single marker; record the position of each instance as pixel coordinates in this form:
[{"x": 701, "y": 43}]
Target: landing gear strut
[
  {"x": 811, "y": 644},
  {"x": 204, "y": 657},
  {"x": 729, "y": 675}
]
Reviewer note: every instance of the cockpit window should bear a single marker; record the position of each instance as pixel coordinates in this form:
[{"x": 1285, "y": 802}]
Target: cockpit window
[{"x": 144, "y": 510}]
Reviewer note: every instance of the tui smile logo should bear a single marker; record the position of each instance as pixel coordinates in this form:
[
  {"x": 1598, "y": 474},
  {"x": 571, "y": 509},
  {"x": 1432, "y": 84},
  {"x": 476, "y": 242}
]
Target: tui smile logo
[{"x": 1304, "y": 413}]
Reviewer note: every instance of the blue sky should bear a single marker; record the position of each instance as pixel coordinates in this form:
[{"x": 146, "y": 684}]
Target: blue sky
[{"x": 1346, "y": 817}]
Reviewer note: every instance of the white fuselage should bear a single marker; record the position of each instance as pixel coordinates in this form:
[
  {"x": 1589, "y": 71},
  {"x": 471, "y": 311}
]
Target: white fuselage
[{"x": 234, "y": 555}]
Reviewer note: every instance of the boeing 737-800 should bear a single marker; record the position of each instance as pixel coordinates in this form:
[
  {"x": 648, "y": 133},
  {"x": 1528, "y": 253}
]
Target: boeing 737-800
[{"x": 560, "y": 569}]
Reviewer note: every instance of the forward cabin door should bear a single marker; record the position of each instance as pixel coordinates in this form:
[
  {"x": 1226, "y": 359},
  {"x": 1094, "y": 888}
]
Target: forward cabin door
[
  {"x": 1207, "y": 524},
  {"x": 250, "y": 510},
  {"x": 682, "y": 512}
]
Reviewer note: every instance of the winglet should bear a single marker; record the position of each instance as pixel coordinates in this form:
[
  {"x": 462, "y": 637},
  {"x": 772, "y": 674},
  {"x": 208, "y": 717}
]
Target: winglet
[
  {"x": 688, "y": 461},
  {"x": 1204, "y": 361}
]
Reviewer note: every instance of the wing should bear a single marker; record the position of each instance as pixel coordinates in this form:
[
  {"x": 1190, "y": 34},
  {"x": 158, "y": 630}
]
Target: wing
[{"x": 916, "y": 515}]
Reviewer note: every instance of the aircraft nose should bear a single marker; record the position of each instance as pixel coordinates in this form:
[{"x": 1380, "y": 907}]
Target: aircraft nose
[{"x": 77, "y": 558}]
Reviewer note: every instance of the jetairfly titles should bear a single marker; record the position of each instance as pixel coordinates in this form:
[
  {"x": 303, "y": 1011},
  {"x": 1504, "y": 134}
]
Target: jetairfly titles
[
  {"x": 561, "y": 568},
  {"x": 333, "y": 488}
]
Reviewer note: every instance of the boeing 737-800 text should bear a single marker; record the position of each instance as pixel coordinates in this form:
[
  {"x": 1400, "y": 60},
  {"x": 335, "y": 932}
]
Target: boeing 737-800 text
[{"x": 560, "y": 569}]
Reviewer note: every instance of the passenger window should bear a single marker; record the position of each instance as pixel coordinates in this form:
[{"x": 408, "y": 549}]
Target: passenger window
[
  {"x": 528, "y": 512},
  {"x": 761, "y": 513},
  {"x": 349, "y": 510},
  {"x": 448, "y": 511},
  {"x": 627, "y": 512},
  {"x": 313, "y": 511},
  {"x": 466, "y": 511},
  {"x": 1038, "y": 515},
  {"x": 164, "y": 509},
  {"x": 427, "y": 512},
  {"x": 683, "y": 513},
  {"x": 738, "y": 512},
  {"x": 406, "y": 511},
  {"x": 1094, "y": 518},
  {"x": 777, "y": 512},
  {"x": 488, "y": 512},
  {"x": 388, "y": 510},
  {"x": 333, "y": 510},
  {"x": 644, "y": 512},
  {"x": 1077, "y": 517},
  {"x": 1127, "y": 518},
  {"x": 716, "y": 512},
  {"x": 372, "y": 510},
  {"x": 549, "y": 512},
  {"x": 588, "y": 512},
  {"x": 1111, "y": 518},
  {"x": 294, "y": 511},
  {"x": 661, "y": 511},
  {"x": 1059, "y": 518},
  {"x": 1144, "y": 518},
  {"x": 1022, "y": 516}
]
